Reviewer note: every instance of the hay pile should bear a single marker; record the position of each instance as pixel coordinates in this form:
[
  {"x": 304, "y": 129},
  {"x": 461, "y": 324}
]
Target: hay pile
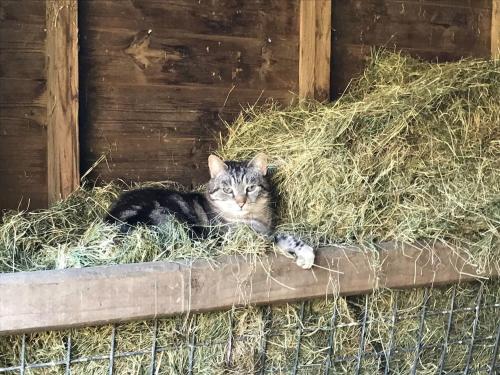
[
  {"x": 413, "y": 151},
  {"x": 72, "y": 234},
  {"x": 266, "y": 340}
]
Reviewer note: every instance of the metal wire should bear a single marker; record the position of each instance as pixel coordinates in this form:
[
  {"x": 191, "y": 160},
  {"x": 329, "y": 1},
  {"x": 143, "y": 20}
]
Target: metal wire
[
  {"x": 362, "y": 338},
  {"x": 407, "y": 316},
  {"x": 153, "y": 347},
  {"x": 331, "y": 340},
  {"x": 229, "y": 352},
  {"x": 391, "y": 337},
  {"x": 495, "y": 352},
  {"x": 266, "y": 318},
  {"x": 192, "y": 347},
  {"x": 444, "y": 350},
  {"x": 418, "y": 347},
  {"x": 490, "y": 343},
  {"x": 474, "y": 328},
  {"x": 299, "y": 339},
  {"x": 68, "y": 355},
  {"x": 112, "y": 351},
  {"x": 23, "y": 355},
  {"x": 338, "y": 359}
]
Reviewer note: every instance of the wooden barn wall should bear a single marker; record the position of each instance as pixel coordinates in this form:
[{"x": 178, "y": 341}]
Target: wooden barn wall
[
  {"x": 23, "y": 165},
  {"x": 441, "y": 30},
  {"x": 155, "y": 104}
]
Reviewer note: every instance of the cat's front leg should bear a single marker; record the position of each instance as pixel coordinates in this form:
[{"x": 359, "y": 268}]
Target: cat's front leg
[
  {"x": 260, "y": 227},
  {"x": 304, "y": 253}
]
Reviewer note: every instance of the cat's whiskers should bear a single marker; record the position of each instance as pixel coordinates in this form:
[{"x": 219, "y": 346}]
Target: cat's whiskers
[{"x": 237, "y": 193}]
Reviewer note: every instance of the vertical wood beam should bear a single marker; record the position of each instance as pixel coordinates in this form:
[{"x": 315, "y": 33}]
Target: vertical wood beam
[
  {"x": 63, "y": 170},
  {"x": 495, "y": 29},
  {"x": 315, "y": 49}
]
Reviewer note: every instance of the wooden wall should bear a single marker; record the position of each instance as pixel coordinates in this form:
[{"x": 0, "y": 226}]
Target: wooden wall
[
  {"x": 158, "y": 78},
  {"x": 440, "y": 30},
  {"x": 23, "y": 165}
]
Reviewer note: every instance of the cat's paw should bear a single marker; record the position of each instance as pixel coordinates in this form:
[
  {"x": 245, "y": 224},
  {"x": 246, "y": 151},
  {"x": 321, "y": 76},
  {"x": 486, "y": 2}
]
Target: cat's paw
[{"x": 305, "y": 257}]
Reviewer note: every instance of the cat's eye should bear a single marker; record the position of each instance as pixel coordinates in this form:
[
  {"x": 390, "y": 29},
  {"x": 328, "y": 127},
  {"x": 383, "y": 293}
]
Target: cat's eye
[
  {"x": 227, "y": 190},
  {"x": 251, "y": 188}
]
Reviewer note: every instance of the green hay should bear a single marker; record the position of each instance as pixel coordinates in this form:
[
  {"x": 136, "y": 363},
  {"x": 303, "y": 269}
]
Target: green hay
[
  {"x": 72, "y": 234},
  {"x": 246, "y": 332},
  {"x": 413, "y": 151}
]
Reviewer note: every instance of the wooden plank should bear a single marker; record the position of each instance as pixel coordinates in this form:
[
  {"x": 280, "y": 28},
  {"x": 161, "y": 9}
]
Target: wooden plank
[
  {"x": 220, "y": 61},
  {"x": 200, "y": 64},
  {"x": 21, "y": 64},
  {"x": 63, "y": 171},
  {"x": 495, "y": 29},
  {"x": 100, "y": 295},
  {"x": 323, "y": 50},
  {"x": 432, "y": 30},
  {"x": 23, "y": 105},
  {"x": 307, "y": 48},
  {"x": 314, "y": 49},
  {"x": 421, "y": 35},
  {"x": 179, "y": 128},
  {"x": 229, "y": 18}
]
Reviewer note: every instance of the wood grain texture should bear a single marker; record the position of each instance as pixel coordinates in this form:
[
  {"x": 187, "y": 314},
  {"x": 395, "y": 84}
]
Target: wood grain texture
[
  {"x": 495, "y": 29},
  {"x": 432, "y": 30},
  {"x": 314, "y": 49},
  {"x": 323, "y": 50},
  {"x": 307, "y": 48},
  {"x": 159, "y": 78},
  {"x": 63, "y": 167},
  {"x": 100, "y": 295},
  {"x": 23, "y": 149}
]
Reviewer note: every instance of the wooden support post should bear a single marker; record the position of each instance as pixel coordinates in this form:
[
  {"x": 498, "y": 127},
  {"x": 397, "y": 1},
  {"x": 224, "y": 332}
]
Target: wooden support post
[
  {"x": 315, "y": 49},
  {"x": 495, "y": 29},
  {"x": 63, "y": 170},
  {"x": 100, "y": 295}
]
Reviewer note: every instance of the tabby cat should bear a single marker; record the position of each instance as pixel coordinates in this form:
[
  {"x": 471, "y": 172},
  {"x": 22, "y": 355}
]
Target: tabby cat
[{"x": 237, "y": 193}]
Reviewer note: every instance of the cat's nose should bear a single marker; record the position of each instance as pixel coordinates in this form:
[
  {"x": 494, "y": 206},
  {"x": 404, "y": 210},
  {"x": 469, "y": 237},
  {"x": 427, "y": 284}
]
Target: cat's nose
[{"x": 240, "y": 200}]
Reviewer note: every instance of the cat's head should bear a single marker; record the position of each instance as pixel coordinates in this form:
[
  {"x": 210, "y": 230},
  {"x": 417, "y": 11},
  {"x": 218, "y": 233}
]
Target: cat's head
[{"x": 239, "y": 187}]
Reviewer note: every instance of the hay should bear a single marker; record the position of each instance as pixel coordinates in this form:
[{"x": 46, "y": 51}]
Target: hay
[
  {"x": 242, "y": 341},
  {"x": 72, "y": 234},
  {"x": 412, "y": 151}
]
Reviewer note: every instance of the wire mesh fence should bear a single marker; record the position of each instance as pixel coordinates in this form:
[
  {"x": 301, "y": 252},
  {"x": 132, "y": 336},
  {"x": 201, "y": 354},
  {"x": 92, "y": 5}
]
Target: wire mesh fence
[{"x": 451, "y": 330}]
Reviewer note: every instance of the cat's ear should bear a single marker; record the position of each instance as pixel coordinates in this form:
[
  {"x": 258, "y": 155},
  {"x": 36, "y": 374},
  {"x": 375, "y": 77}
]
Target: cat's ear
[
  {"x": 259, "y": 162},
  {"x": 216, "y": 166}
]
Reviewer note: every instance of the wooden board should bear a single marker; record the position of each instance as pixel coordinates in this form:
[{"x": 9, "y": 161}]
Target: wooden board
[
  {"x": 23, "y": 136},
  {"x": 99, "y": 295},
  {"x": 63, "y": 166},
  {"x": 314, "y": 49},
  {"x": 160, "y": 77},
  {"x": 495, "y": 29},
  {"x": 432, "y": 30}
]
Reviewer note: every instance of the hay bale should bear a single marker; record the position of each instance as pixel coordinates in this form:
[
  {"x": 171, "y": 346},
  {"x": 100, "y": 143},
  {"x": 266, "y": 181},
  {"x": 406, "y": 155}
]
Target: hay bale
[{"x": 412, "y": 151}]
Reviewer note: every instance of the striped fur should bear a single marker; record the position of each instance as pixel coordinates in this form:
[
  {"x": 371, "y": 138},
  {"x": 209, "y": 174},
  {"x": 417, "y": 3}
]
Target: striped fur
[{"x": 239, "y": 192}]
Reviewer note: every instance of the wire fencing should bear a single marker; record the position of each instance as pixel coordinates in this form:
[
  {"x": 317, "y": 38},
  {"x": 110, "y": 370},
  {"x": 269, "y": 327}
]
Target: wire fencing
[{"x": 452, "y": 330}]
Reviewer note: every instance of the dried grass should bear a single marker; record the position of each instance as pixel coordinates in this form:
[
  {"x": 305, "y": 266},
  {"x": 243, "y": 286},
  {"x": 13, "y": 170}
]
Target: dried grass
[{"x": 413, "y": 151}]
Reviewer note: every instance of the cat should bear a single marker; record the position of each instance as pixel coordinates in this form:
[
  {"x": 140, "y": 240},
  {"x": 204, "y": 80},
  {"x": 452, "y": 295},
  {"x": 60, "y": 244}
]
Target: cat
[{"x": 238, "y": 192}]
